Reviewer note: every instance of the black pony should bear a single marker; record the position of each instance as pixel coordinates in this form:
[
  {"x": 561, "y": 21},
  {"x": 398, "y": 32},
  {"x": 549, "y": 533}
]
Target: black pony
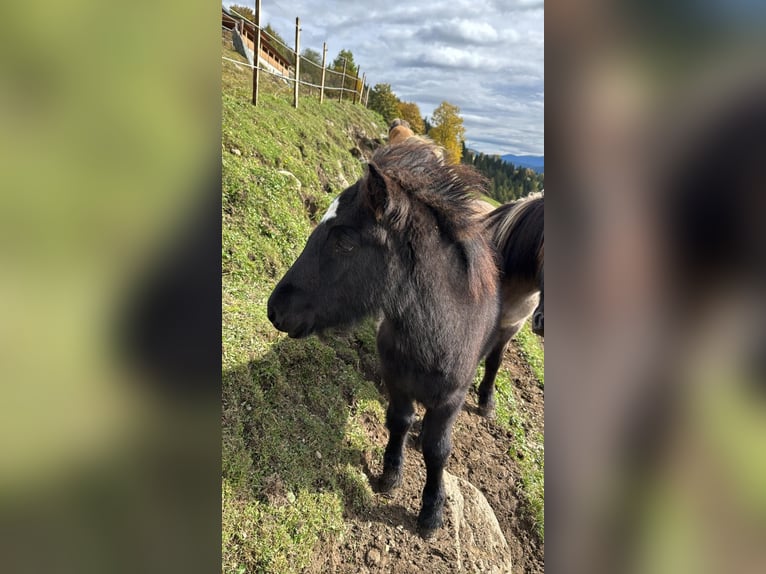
[
  {"x": 406, "y": 242},
  {"x": 518, "y": 233}
]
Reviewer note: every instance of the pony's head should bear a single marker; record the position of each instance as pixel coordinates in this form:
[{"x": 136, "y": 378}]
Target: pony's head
[
  {"x": 377, "y": 235},
  {"x": 399, "y": 131},
  {"x": 339, "y": 276}
]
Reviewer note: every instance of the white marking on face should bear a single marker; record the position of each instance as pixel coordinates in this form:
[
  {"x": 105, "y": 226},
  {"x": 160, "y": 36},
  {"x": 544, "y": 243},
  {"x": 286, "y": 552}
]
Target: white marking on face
[{"x": 332, "y": 211}]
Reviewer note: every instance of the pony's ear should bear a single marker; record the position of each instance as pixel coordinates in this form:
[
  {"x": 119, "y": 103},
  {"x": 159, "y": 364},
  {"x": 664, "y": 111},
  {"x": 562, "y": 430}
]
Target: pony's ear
[{"x": 378, "y": 189}]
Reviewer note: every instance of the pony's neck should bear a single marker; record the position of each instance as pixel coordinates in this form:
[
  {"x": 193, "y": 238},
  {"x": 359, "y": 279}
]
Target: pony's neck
[{"x": 423, "y": 295}]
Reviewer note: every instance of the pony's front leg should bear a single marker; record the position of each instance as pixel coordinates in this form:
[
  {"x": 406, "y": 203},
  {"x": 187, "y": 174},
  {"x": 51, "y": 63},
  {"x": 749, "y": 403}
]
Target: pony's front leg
[
  {"x": 437, "y": 444},
  {"x": 399, "y": 418}
]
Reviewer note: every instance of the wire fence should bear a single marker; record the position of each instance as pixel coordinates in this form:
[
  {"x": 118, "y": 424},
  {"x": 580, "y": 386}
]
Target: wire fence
[{"x": 268, "y": 54}]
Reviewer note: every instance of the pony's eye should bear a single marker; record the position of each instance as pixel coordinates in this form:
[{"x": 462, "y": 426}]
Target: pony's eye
[
  {"x": 344, "y": 239},
  {"x": 344, "y": 244}
]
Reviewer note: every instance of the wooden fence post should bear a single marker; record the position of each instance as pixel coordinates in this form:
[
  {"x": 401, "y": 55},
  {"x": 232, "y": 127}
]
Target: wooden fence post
[
  {"x": 324, "y": 68},
  {"x": 361, "y": 88},
  {"x": 257, "y": 54},
  {"x": 342, "y": 81},
  {"x": 356, "y": 81},
  {"x": 297, "y": 60}
]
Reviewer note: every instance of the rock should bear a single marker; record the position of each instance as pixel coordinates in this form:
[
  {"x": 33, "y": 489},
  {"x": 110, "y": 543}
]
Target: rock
[
  {"x": 373, "y": 556},
  {"x": 235, "y": 151},
  {"x": 342, "y": 182},
  {"x": 479, "y": 542},
  {"x": 291, "y": 175}
]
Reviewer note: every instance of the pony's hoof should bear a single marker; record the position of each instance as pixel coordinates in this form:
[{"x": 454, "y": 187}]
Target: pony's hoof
[
  {"x": 488, "y": 411},
  {"x": 389, "y": 480},
  {"x": 428, "y": 525}
]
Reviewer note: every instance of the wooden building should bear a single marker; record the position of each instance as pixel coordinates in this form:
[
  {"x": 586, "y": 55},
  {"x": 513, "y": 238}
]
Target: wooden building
[{"x": 244, "y": 31}]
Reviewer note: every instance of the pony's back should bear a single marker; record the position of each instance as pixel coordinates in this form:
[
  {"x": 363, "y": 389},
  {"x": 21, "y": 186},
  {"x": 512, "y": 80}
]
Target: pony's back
[{"x": 518, "y": 232}]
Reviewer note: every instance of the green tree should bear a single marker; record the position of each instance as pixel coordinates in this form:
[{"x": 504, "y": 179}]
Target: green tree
[
  {"x": 384, "y": 101},
  {"x": 507, "y": 182},
  {"x": 312, "y": 56},
  {"x": 243, "y": 11},
  {"x": 410, "y": 112},
  {"x": 279, "y": 44},
  {"x": 448, "y": 130},
  {"x": 311, "y": 72},
  {"x": 346, "y": 58}
]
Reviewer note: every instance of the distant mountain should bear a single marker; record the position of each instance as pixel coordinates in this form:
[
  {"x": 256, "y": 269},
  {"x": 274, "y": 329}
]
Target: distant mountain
[
  {"x": 507, "y": 181},
  {"x": 535, "y": 162}
]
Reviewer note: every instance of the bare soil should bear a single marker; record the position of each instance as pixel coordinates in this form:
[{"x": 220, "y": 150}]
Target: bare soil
[{"x": 383, "y": 537}]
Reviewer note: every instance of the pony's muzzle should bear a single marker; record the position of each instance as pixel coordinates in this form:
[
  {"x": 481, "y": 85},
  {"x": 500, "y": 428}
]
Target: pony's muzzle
[
  {"x": 538, "y": 324},
  {"x": 283, "y": 312}
]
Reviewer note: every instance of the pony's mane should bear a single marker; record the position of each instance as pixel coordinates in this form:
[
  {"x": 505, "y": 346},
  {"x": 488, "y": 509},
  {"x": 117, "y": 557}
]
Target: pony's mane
[
  {"x": 416, "y": 169},
  {"x": 518, "y": 233}
]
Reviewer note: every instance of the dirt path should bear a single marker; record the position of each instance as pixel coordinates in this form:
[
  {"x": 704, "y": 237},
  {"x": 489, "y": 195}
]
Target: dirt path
[{"x": 383, "y": 538}]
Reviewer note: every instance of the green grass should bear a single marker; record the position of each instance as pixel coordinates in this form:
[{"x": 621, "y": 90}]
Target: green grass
[
  {"x": 532, "y": 350},
  {"x": 491, "y": 200},
  {"x": 528, "y": 450},
  {"x": 293, "y": 411}
]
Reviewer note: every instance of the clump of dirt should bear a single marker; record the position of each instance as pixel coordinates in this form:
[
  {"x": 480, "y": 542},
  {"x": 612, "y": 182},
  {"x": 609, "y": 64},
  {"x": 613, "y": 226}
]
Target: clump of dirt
[{"x": 383, "y": 537}]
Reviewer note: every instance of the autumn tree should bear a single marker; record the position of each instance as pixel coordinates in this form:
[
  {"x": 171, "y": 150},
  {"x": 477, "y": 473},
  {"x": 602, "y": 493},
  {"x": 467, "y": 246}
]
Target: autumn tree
[
  {"x": 384, "y": 101},
  {"x": 410, "y": 112},
  {"x": 448, "y": 130}
]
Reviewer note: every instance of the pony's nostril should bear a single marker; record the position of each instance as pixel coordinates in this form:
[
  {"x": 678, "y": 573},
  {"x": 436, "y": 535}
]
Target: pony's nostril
[{"x": 279, "y": 304}]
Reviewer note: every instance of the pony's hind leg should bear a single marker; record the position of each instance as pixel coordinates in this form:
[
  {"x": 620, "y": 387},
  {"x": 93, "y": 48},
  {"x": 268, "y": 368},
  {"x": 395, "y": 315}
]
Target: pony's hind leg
[
  {"x": 399, "y": 418},
  {"x": 437, "y": 444},
  {"x": 487, "y": 385},
  {"x": 491, "y": 366}
]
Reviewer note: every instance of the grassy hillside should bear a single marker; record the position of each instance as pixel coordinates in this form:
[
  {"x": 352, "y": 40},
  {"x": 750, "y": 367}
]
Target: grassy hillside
[
  {"x": 294, "y": 412},
  {"x": 290, "y": 408}
]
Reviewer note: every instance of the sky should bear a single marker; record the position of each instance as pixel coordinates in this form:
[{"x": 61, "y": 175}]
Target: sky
[{"x": 485, "y": 56}]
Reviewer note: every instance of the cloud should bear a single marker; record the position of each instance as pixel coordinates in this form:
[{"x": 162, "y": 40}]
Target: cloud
[
  {"x": 460, "y": 31},
  {"x": 449, "y": 57},
  {"x": 485, "y": 56}
]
